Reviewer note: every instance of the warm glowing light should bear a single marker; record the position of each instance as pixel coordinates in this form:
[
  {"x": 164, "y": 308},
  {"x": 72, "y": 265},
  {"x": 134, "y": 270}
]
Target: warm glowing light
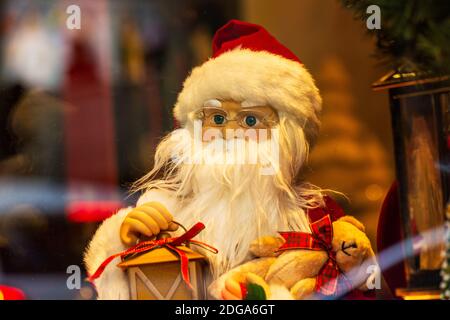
[
  {"x": 422, "y": 297},
  {"x": 374, "y": 192},
  {"x": 86, "y": 293}
]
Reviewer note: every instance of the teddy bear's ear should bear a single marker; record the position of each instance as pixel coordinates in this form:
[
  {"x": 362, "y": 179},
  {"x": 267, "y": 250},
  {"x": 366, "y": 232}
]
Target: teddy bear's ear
[{"x": 352, "y": 220}]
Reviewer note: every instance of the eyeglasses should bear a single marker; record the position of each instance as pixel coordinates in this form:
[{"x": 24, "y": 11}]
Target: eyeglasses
[{"x": 251, "y": 118}]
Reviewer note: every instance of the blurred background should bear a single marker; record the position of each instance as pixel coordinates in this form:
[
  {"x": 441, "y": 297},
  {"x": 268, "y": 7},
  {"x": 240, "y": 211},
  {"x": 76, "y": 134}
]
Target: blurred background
[{"x": 81, "y": 112}]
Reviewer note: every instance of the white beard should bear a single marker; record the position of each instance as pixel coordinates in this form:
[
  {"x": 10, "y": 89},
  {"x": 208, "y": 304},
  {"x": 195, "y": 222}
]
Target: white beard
[
  {"x": 237, "y": 205},
  {"x": 235, "y": 202}
]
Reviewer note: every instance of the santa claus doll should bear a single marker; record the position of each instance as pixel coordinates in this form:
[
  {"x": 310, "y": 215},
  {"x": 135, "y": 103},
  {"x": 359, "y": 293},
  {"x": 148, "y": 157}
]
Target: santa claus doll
[{"x": 248, "y": 118}]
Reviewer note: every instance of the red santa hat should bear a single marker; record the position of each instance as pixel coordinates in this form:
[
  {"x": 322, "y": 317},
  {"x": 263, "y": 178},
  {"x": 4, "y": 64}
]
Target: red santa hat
[{"x": 249, "y": 64}]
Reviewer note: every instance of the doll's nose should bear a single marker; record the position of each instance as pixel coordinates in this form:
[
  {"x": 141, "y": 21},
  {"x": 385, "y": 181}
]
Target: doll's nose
[{"x": 232, "y": 130}]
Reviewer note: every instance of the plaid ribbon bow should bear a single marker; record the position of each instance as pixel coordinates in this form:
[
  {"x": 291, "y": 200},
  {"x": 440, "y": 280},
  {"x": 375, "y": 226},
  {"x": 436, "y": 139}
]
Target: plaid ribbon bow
[
  {"x": 330, "y": 281},
  {"x": 169, "y": 243}
]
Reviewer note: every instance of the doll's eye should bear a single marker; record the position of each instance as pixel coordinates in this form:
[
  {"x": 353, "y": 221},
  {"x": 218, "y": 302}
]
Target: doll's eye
[
  {"x": 251, "y": 120},
  {"x": 219, "y": 119}
]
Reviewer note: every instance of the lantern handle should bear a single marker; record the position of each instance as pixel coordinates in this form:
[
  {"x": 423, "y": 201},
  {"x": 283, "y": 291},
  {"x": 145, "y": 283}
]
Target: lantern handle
[
  {"x": 185, "y": 230},
  {"x": 180, "y": 225},
  {"x": 165, "y": 234}
]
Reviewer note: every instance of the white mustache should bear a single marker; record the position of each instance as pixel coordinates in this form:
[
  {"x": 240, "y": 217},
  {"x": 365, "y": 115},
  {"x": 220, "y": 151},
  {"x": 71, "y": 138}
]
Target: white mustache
[{"x": 236, "y": 151}]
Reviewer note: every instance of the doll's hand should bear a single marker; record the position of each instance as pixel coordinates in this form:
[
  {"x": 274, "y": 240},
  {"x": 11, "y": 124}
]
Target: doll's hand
[
  {"x": 148, "y": 220},
  {"x": 232, "y": 289},
  {"x": 236, "y": 285}
]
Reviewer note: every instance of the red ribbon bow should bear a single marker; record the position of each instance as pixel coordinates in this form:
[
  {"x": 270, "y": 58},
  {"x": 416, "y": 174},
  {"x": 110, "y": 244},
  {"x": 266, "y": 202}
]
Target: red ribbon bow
[
  {"x": 170, "y": 243},
  {"x": 330, "y": 281}
]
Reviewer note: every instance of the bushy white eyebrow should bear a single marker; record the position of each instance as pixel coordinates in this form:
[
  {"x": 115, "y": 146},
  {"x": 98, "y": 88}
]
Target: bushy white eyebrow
[
  {"x": 249, "y": 104},
  {"x": 212, "y": 103}
]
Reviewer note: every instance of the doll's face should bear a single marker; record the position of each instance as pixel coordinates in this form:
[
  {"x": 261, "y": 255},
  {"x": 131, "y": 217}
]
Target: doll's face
[{"x": 232, "y": 119}]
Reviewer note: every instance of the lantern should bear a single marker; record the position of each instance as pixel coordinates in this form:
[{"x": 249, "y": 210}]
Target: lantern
[
  {"x": 420, "y": 121},
  {"x": 156, "y": 275},
  {"x": 156, "y": 266}
]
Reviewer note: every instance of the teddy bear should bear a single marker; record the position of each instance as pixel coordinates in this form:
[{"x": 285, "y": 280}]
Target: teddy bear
[{"x": 297, "y": 270}]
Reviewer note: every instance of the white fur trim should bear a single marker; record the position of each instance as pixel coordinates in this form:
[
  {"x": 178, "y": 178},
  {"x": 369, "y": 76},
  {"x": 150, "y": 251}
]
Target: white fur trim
[
  {"x": 215, "y": 287},
  {"x": 160, "y": 196},
  {"x": 278, "y": 292},
  {"x": 257, "y": 76},
  {"x": 113, "y": 283}
]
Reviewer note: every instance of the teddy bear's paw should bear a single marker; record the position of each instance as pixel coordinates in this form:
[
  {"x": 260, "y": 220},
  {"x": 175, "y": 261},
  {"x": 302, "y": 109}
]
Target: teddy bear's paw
[
  {"x": 304, "y": 289},
  {"x": 266, "y": 246}
]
